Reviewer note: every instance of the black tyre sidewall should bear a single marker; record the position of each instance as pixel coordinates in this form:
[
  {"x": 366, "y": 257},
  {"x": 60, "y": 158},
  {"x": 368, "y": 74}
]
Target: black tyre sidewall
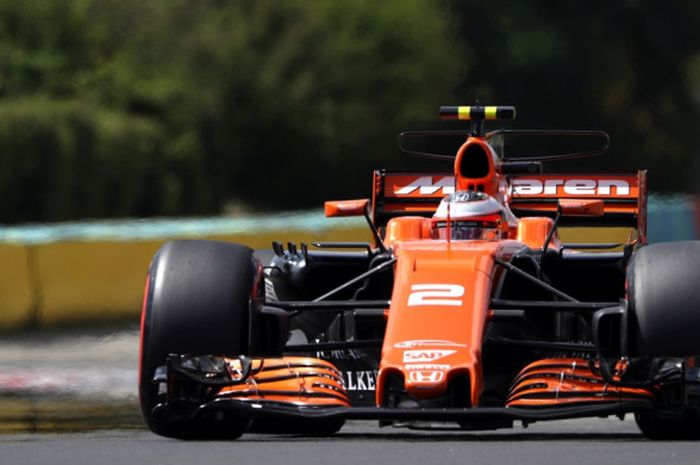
[
  {"x": 663, "y": 286},
  {"x": 197, "y": 302}
]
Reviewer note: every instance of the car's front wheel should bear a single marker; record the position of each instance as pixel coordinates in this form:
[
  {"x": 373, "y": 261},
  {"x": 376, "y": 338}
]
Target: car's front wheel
[
  {"x": 196, "y": 302},
  {"x": 664, "y": 322}
]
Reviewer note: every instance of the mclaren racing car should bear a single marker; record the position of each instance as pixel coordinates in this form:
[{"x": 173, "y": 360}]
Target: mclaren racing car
[{"x": 467, "y": 308}]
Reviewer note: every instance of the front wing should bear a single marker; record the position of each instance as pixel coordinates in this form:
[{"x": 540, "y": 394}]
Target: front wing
[
  {"x": 487, "y": 415},
  {"x": 306, "y": 388}
]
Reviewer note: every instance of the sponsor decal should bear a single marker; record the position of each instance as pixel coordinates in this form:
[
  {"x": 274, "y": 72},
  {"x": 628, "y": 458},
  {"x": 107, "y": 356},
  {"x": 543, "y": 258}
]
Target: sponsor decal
[
  {"x": 426, "y": 366},
  {"x": 348, "y": 205},
  {"x": 341, "y": 354},
  {"x": 270, "y": 293},
  {"x": 426, "y": 376},
  {"x": 425, "y": 186},
  {"x": 435, "y": 294},
  {"x": 582, "y": 186},
  {"x": 361, "y": 380},
  {"x": 425, "y": 356},
  {"x": 427, "y": 342}
]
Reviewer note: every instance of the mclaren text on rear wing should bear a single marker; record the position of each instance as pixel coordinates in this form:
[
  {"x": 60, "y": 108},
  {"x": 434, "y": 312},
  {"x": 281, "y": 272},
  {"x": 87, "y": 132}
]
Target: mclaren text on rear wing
[{"x": 624, "y": 195}]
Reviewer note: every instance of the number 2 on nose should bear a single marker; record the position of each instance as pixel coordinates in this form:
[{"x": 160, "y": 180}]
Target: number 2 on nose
[{"x": 436, "y": 294}]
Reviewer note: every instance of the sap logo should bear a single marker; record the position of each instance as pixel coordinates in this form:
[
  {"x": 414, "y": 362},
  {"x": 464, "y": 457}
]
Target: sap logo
[
  {"x": 571, "y": 186},
  {"x": 425, "y": 186},
  {"x": 425, "y": 356},
  {"x": 363, "y": 380},
  {"x": 431, "y": 377}
]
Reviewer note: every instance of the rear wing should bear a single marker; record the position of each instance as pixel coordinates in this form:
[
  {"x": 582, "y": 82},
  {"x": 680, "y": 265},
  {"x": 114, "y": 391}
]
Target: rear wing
[{"x": 624, "y": 196}]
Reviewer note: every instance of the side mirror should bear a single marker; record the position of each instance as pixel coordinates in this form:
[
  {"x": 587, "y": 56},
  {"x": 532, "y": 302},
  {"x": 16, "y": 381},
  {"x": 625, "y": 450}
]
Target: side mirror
[
  {"x": 334, "y": 208},
  {"x": 359, "y": 207},
  {"x": 574, "y": 207},
  {"x": 582, "y": 207}
]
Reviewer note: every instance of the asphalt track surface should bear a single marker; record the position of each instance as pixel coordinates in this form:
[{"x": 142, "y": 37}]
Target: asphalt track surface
[
  {"x": 70, "y": 398},
  {"x": 567, "y": 442}
]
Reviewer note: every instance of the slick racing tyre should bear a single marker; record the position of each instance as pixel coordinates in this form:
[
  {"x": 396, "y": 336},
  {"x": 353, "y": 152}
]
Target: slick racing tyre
[
  {"x": 664, "y": 321},
  {"x": 664, "y": 300},
  {"x": 196, "y": 302},
  {"x": 683, "y": 428}
]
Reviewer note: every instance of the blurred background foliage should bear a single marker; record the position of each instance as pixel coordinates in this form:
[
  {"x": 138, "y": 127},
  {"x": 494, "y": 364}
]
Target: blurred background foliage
[{"x": 112, "y": 108}]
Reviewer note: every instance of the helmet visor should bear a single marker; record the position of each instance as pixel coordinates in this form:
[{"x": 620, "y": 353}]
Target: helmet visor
[{"x": 465, "y": 230}]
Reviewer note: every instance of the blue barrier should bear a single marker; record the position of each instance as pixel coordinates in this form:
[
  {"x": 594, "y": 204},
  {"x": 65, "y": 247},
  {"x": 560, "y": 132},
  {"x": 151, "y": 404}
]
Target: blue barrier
[
  {"x": 131, "y": 230},
  {"x": 670, "y": 218}
]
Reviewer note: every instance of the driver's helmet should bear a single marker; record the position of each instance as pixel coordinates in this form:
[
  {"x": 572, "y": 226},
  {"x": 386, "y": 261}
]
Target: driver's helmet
[{"x": 472, "y": 215}]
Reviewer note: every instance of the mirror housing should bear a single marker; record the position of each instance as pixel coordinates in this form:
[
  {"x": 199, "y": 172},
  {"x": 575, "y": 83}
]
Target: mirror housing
[
  {"x": 574, "y": 207},
  {"x": 582, "y": 207},
  {"x": 335, "y": 208}
]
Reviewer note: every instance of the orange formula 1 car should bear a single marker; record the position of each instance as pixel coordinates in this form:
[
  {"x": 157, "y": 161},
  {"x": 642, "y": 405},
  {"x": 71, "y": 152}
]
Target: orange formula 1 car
[{"x": 468, "y": 309}]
